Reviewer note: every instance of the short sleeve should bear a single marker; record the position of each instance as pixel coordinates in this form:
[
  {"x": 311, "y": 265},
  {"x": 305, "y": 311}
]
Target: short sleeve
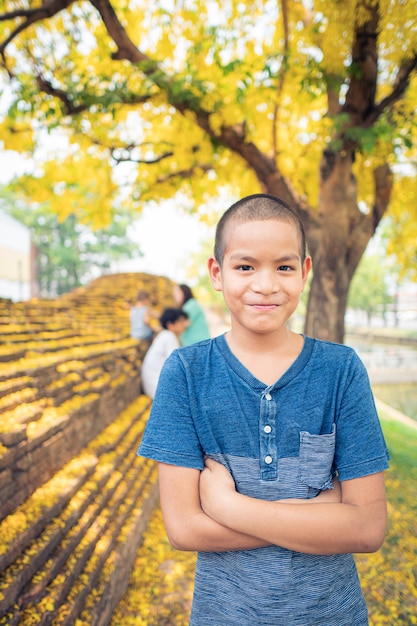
[
  {"x": 360, "y": 445},
  {"x": 170, "y": 435}
]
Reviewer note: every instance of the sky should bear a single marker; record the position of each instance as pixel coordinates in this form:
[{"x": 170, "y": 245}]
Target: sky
[{"x": 168, "y": 238}]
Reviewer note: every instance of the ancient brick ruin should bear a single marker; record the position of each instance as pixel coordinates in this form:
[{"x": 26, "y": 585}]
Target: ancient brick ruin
[{"x": 74, "y": 496}]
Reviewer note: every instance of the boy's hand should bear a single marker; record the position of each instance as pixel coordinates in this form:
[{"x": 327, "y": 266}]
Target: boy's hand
[{"x": 216, "y": 488}]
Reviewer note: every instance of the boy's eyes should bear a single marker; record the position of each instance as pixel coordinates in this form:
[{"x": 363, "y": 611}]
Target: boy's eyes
[{"x": 280, "y": 268}]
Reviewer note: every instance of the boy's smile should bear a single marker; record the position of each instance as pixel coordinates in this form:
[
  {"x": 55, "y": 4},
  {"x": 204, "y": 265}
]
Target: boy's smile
[{"x": 262, "y": 276}]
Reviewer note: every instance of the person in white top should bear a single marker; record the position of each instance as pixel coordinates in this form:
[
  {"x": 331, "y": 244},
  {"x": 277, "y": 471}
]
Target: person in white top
[{"x": 173, "y": 322}]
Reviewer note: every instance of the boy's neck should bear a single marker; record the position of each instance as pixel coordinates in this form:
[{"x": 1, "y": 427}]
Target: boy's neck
[
  {"x": 281, "y": 340},
  {"x": 266, "y": 357}
]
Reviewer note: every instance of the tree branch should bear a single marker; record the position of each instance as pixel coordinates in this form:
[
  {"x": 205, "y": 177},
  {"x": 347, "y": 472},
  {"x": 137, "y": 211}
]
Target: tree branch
[
  {"x": 68, "y": 106},
  {"x": 232, "y": 137},
  {"x": 48, "y": 9},
  {"x": 126, "y": 49},
  {"x": 360, "y": 98},
  {"x": 383, "y": 180},
  {"x": 187, "y": 173},
  {"x": 281, "y": 79},
  {"x": 131, "y": 159},
  {"x": 401, "y": 83}
]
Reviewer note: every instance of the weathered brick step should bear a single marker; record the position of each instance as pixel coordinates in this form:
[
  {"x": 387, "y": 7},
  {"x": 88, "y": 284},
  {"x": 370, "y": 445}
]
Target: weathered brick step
[
  {"x": 42, "y": 453},
  {"x": 91, "y": 554},
  {"x": 115, "y": 362},
  {"x": 38, "y": 349},
  {"x": 15, "y": 420},
  {"x": 26, "y": 543},
  {"x": 11, "y": 353},
  {"x": 116, "y": 435},
  {"x": 56, "y": 345},
  {"x": 50, "y": 553},
  {"x": 30, "y": 423},
  {"x": 92, "y": 602},
  {"x": 46, "y": 553},
  {"x": 12, "y": 385},
  {"x": 60, "y": 389},
  {"x": 18, "y": 428},
  {"x": 79, "y": 315},
  {"x": 89, "y": 369},
  {"x": 96, "y": 505},
  {"x": 16, "y": 398},
  {"x": 14, "y": 333},
  {"x": 108, "y": 588},
  {"x": 29, "y": 520},
  {"x": 29, "y": 366},
  {"x": 59, "y": 434}
]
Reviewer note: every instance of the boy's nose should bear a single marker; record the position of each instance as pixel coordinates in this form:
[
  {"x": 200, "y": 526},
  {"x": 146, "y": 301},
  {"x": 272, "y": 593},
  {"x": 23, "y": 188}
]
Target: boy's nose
[{"x": 266, "y": 282}]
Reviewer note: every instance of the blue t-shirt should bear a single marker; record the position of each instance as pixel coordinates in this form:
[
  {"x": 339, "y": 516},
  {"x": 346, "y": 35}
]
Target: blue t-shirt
[{"x": 285, "y": 440}]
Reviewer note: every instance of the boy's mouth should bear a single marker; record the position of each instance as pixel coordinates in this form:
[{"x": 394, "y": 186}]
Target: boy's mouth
[{"x": 264, "y": 307}]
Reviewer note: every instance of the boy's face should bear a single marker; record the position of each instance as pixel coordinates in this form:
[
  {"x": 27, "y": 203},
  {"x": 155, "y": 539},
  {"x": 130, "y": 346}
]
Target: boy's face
[{"x": 261, "y": 276}]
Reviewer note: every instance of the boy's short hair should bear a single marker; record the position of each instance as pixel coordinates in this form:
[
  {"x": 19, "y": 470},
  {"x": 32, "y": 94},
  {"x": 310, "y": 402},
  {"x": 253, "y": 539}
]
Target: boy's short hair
[
  {"x": 171, "y": 315},
  {"x": 257, "y": 207}
]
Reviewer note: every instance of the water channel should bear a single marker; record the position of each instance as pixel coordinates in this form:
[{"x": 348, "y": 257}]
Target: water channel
[{"x": 392, "y": 369}]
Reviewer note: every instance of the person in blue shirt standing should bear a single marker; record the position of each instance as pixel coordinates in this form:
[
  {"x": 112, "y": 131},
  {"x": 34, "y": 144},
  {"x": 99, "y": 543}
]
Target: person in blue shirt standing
[
  {"x": 141, "y": 317},
  {"x": 271, "y": 455},
  {"x": 198, "y": 328}
]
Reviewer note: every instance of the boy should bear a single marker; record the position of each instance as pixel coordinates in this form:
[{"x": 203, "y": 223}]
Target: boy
[
  {"x": 173, "y": 322},
  {"x": 251, "y": 430}
]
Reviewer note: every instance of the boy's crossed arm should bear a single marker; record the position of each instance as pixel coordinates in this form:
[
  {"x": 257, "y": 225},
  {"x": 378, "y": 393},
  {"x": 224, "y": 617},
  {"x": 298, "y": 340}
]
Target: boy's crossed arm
[
  {"x": 231, "y": 521},
  {"x": 356, "y": 523},
  {"x": 188, "y": 527}
]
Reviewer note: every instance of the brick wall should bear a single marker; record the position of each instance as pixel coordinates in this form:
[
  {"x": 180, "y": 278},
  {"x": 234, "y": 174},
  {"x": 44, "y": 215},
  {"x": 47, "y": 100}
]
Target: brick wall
[{"x": 74, "y": 496}]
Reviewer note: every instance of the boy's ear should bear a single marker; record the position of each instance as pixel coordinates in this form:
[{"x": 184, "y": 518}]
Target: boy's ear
[
  {"x": 307, "y": 266},
  {"x": 215, "y": 273}
]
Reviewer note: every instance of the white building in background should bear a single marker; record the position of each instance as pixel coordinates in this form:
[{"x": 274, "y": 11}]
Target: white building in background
[{"x": 17, "y": 275}]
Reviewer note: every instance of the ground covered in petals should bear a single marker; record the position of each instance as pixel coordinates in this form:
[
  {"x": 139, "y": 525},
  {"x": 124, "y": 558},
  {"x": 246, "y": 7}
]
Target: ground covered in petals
[
  {"x": 160, "y": 590},
  {"x": 161, "y": 586}
]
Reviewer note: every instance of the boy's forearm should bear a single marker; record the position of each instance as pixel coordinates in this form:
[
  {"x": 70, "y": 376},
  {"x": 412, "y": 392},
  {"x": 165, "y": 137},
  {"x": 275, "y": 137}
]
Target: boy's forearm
[
  {"x": 201, "y": 533},
  {"x": 314, "y": 528},
  {"x": 206, "y": 535}
]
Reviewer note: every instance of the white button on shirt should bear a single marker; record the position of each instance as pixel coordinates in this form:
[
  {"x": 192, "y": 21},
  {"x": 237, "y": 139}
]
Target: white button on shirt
[
  {"x": 268, "y": 396},
  {"x": 267, "y": 429},
  {"x": 268, "y": 459}
]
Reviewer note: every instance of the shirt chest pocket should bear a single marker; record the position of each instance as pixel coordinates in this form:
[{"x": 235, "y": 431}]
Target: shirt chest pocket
[{"x": 316, "y": 459}]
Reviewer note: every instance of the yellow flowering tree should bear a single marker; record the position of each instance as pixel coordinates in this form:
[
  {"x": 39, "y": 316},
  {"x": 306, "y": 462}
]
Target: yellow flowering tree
[{"x": 310, "y": 100}]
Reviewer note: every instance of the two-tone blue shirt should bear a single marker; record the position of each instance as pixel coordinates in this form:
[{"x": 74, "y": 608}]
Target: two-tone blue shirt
[{"x": 286, "y": 440}]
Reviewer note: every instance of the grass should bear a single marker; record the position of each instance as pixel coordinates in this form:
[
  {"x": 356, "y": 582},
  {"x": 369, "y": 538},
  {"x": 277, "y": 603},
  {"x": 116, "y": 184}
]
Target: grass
[
  {"x": 160, "y": 589},
  {"x": 389, "y": 576}
]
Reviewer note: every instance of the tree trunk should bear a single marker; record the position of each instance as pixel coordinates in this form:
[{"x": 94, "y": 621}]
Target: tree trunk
[
  {"x": 327, "y": 299},
  {"x": 337, "y": 246}
]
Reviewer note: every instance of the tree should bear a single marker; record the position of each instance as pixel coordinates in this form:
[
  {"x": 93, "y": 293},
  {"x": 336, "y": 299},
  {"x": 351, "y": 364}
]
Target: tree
[
  {"x": 312, "y": 101},
  {"x": 69, "y": 254},
  {"x": 400, "y": 232}
]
